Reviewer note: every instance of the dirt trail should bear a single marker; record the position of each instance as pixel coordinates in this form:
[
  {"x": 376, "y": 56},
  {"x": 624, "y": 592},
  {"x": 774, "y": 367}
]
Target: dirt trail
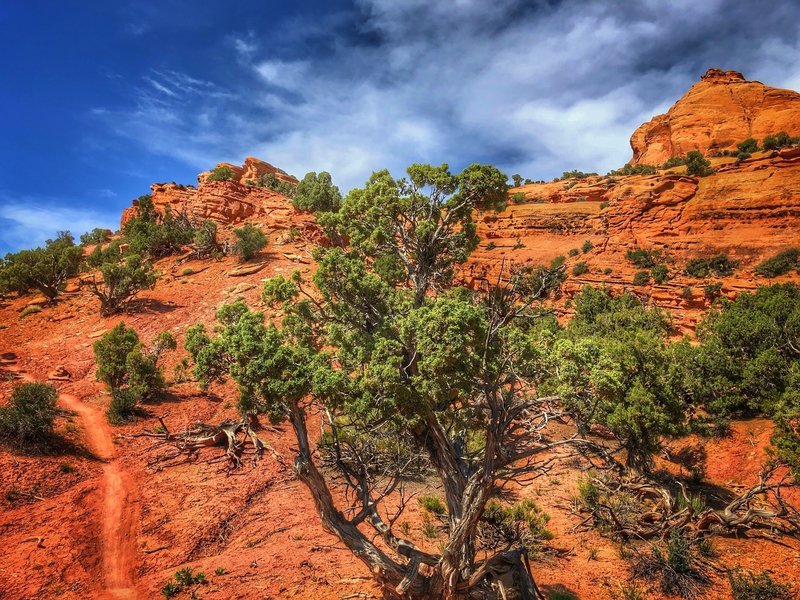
[{"x": 118, "y": 534}]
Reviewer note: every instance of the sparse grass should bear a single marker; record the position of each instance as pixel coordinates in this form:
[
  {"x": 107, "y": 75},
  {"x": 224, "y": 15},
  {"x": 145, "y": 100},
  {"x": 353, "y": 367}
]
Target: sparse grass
[
  {"x": 428, "y": 528},
  {"x": 432, "y": 504},
  {"x": 593, "y": 553},
  {"x": 183, "y": 579},
  {"x": 749, "y": 586},
  {"x": 674, "y": 567},
  {"x": 219, "y": 571}
]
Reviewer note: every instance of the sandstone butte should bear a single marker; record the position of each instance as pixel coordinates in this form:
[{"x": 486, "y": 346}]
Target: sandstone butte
[{"x": 68, "y": 529}]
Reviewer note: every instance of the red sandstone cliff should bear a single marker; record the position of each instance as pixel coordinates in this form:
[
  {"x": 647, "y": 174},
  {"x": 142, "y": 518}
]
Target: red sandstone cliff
[{"x": 719, "y": 111}]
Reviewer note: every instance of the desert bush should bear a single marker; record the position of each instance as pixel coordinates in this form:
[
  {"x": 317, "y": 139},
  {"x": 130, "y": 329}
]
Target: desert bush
[
  {"x": 26, "y": 422},
  {"x": 518, "y": 198},
  {"x": 779, "y": 140},
  {"x": 523, "y": 522},
  {"x": 675, "y": 161},
  {"x": 587, "y": 246},
  {"x": 221, "y": 173},
  {"x": 641, "y": 278},
  {"x": 580, "y": 268},
  {"x": 123, "y": 406},
  {"x": 660, "y": 273},
  {"x": 720, "y": 265},
  {"x": 183, "y": 579},
  {"x": 250, "y": 241},
  {"x": 557, "y": 261},
  {"x": 575, "y": 174},
  {"x": 432, "y": 504},
  {"x": 150, "y": 233},
  {"x": 121, "y": 282},
  {"x": 573, "y": 252},
  {"x": 749, "y": 586},
  {"x": 748, "y": 146},
  {"x": 45, "y": 269},
  {"x": 645, "y": 258},
  {"x": 272, "y": 182},
  {"x": 712, "y": 290},
  {"x": 630, "y": 169},
  {"x": 780, "y": 264},
  {"x": 204, "y": 240},
  {"x": 697, "y": 165},
  {"x": 674, "y": 567}
]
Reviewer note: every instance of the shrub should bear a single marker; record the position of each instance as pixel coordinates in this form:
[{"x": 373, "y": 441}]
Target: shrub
[
  {"x": 630, "y": 169},
  {"x": 687, "y": 293},
  {"x": 779, "y": 140},
  {"x": 573, "y": 252},
  {"x": 491, "y": 246},
  {"x": 719, "y": 265},
  {"x": 603, "y": 204},
  {"x": 522, "y": 522},
  {"x": 641, "y": 278},
  {"x": 150, "y": 233},
  {"x": 432, "y": 504},
  {"x": 517, "y": 179},
  {"x": 674, "y": 567},
  {"x": 660, "y": 273},
  {"x": 123, "y": 406},
  {"x": 749, "y": 586},
  {"x": 271, "y": 181},
  {"x": 580, "y": 268},
  {"x": 98, "y": 235},
  {"x": 316, "y": 193},
  {"x": 221, "y": 173},
  {"x": 608, "y": 271},
  {"x": 518, "y": 198},
  {"x": 44, "y": 269},
  {"x": 748, "y": 146},
  {"x": 557, "y": 261},
  {"x": 712, "y": 290},
  {"x": 26, "y": 422},
  {"x": 697, "y": 165},
  {"x": 187, "y": 271},
  {"x": 780, "y": 264},
  {"x": 249, "y": 243},
  {"x": 644, "y": 258},
  {"x": 111, "y": 352},
  {"x": 205, "y": 241},
  {"x": 587, "y": 246},
  {"x": 122, "y": 281},
  {"x": 575, "y": 174},
  {"x": 675, "y": 161}
]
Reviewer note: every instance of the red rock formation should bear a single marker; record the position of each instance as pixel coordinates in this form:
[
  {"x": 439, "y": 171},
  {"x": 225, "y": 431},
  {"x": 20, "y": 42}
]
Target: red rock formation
[
  {"x": 226, "y": 202},
  {"x": 718, "y": 112}
]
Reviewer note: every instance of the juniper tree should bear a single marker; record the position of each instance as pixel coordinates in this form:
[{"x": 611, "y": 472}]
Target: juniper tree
[
  {"x": 380, "y": 343},
  {"x": 45, "y": 269}
]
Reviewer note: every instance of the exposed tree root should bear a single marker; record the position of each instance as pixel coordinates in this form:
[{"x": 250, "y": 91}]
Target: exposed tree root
[{"x": 234, "y": 436}]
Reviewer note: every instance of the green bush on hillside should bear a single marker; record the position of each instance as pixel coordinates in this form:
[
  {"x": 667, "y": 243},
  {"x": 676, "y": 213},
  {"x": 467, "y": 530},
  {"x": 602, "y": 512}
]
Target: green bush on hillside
[
  {"x": 250, "y": 241},
  {"x": 26, "y": 422},
  {"x": 780, "y": 264}
]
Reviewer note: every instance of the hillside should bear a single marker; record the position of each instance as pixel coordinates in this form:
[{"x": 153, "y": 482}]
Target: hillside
[{"x": 103, "y": 518}]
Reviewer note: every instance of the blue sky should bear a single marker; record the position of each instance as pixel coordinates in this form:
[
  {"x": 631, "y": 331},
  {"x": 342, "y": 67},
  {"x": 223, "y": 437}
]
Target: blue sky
[{"x": 100, "y": 99}]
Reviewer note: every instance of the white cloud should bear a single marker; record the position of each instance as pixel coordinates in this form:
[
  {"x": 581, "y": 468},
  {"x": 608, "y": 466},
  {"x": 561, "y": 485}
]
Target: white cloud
[
  {"x": 28, "y": 222},
  {"x": 535, "y": 87}
]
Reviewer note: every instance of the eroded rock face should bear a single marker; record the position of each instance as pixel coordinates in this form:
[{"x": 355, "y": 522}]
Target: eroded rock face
[
  {"x": 226, "y": 202},
  {"x": 719, "y": 111}
]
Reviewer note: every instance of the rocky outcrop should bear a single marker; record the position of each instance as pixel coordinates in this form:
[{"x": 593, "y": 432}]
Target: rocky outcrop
[
  {"x": 225, "y": 202},
  {"x": 719, "y": 111}
]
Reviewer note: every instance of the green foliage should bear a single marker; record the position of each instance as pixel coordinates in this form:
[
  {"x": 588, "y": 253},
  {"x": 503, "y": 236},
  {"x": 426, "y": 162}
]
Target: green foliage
[
  {"x": 644, "y": 258},
  {"x": 204, "y": 240},
  {"x": 697, "y": 165},
  {"x": 611, "y": 366},
  {"x": 749, "y": 586},
  {"x": 641, "y": 278},
  {"x": 587, "y": 246},
  {"x": 517, "y": 179},
  {"x": 150, "y": 233},
  {"x": 26, "y": 422},
  {"x": 660, "y": 273},
  {"x": 111, "y": 352},
  {"x": 98, "y": 235},
  {"x": 122, "y": 281},
  {"x": 575, "y": 174},
  {"x": 250, "y": 241},
  {"x": 580, "y": 268},
  {"x": 316, "y": 193},
  {"x": 780, "y": 264},
  {"x": 130, "y": 369},
  {"x": 748, "y": 146},
  {"x": 674, "y": 161},
  {"x": 432, "y": 504},
  {"x": 523, "y": 522},
  {"x": 272, "y": 182},
  {"x": 221, "y": 173},
  {"x": 123, "y": 406},
  {"x": 630, "y": 169},
  {"x": 557, "y": 261},
  {"x": 44, "y": 269},
  {"x": 712, "y": 290},
  {"x": 518, "y": 198},
  {"x": 183, "y": 579},
  {"x": 573, "y": 252},
  {"x": 779, "y": 140},
  {"x": 720, "y": 265},
  {"x": 745, "y": 360}
]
